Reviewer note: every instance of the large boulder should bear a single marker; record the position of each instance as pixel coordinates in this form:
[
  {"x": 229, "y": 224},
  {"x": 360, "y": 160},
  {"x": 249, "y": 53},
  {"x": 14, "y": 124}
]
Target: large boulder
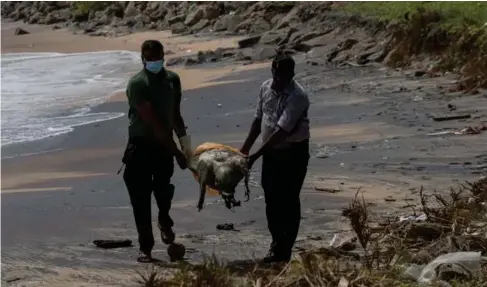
[
  {"x": 159, "y": 13},
  {"x": 154, "y": 5},
  {"x": 103, "y": 19},
  {"x": 271, "y": 37},
  {"x": 194, "y": 17},
  {"x": 200, "y": 25},
  {"x": 117, "y": 22},
  {"x": 246, "y": 54},
  {"x": 19, "y": 14},
  {"x": 34, "y": 19},
  {"x": 251, "y": 25},
  {"x": 248, "y": 42},
  {"x": 7, "y": 7},
  {"x": 264, "y": 53},
  {"x": 224, "y": 52},
  {"x": 141, "y": 21},
  {"x": 260, "y": 26},
  {"x": 176, "y": 19},
  {"x": 227, "y": 23},
  {"x": 144, "y": 18},
  {"x": 51, "y": 18},
  {"x": 207, "y": 56},
  {"x": 178, "y": 28},
  {"x": 305, "y": 35},
  {"x": 211, "y": 12},
  {"x": 116, "y": 10},
  {"x": 130, "y": 10},
  {"x": 289, "y": 20}
]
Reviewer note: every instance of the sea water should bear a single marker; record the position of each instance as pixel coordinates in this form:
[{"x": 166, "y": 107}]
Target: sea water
[{"x": 47, "y": 94}]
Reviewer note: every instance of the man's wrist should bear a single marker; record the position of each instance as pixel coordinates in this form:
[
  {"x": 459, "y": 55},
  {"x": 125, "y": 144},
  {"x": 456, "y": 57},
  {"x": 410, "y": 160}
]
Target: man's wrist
[
  {"x": 245, "y": 149},
  {"x": 181, "y": 134}
]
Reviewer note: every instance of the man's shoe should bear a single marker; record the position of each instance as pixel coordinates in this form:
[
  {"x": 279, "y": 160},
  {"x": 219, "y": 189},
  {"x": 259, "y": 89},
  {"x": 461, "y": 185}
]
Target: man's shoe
[
  {"x": 145, "y": 257},
  {"x": 167, "y": 234},
  {"x": 276, "y": 257}
]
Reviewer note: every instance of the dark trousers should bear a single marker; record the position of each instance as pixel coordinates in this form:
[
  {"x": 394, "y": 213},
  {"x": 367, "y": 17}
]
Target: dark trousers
[
  {"x": 283, "y": 173},
  {"x": 148, "y": 170}
]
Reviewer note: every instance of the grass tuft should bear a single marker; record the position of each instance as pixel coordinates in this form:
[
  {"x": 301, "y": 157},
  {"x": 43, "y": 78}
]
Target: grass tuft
[{"x": 456, "y": 221}]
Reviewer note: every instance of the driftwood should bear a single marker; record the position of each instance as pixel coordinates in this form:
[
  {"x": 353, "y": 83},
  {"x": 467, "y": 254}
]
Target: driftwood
[
  {"x": 451, "y": 118},
  {"x": 110, "y": 244},
  {"x": 325, "y": 189}
]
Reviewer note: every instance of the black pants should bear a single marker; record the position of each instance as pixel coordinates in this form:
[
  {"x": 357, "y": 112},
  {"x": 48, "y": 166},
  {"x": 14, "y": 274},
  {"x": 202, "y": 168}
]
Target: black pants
[
  {"x": 283, "y": 173},
  {"x": 148, "y": 170}
]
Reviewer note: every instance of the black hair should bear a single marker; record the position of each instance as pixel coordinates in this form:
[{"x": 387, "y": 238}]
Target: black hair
[
  {"x": 152, "y": 46},
  {"x": 283, "y": 62}
]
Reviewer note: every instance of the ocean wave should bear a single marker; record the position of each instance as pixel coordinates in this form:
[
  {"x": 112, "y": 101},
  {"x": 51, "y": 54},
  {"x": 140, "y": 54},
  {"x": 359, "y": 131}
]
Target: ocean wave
[{"x": 46, "y": 94}]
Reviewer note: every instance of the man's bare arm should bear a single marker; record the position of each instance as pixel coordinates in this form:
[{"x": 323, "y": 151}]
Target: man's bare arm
[
  {"x": 254, "y": 132},
  {"x": 255, "y": 128},
  {"x": 276, "y": 138}
]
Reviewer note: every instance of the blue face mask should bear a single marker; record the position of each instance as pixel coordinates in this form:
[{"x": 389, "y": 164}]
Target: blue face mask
[{"x": 154, "y": 66}]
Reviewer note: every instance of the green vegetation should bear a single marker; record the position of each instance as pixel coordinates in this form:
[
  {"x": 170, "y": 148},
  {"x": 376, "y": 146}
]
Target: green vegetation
[
  {"x": 455, "y": 17},
  {"x": 456, "y": 31},
  {"x": 84, "y": 7},
  {"x": 454, "y": 14}
]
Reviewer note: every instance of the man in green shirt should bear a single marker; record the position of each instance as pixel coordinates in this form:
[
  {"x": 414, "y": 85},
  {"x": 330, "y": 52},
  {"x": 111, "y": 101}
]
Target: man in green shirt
[{"x": 154, "y": 97}]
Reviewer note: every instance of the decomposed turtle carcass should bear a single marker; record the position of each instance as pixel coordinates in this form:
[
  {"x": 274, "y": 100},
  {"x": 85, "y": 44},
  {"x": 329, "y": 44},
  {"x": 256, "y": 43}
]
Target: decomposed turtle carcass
[{"x": 221, "y": 168}]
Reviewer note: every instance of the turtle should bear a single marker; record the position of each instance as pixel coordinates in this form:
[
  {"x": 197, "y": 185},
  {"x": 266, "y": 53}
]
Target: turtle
[{"x": 220, "y": 169}]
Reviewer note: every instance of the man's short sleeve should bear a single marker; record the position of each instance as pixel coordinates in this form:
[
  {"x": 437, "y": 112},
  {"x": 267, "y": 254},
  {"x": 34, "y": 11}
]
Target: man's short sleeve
[
  {"x": 136, "y": 92},
  {"x": 176, "y": 84},
  {"x": 295, "y": 108},
  {"x": 258, "y": 110}
]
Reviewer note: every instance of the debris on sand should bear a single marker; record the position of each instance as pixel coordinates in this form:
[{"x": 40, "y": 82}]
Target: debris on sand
[
  {"x": 475, "y": 130},
  {"x": 326, "y": 189},
  {"x": 12, "y": 279},
  {"x": 451, "y": 118},
  {"x": 421, "y": 217},
  {"x": 111, "y": 244},
  {"x": 344, "y": 243},
  {"x": 226, "y": 226},
  {"x": 448, "y": 267},
  {"x": 440, "y": 243}
]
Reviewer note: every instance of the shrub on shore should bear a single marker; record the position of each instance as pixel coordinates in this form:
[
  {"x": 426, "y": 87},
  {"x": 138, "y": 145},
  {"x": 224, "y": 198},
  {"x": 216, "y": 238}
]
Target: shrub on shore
[
  {"x": 455, "y": 32},
  {"x": 451, "y": 222},
  {"x": 84, "y": 7}
]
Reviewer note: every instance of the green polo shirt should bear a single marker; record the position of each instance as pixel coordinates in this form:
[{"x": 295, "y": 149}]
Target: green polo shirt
[{"x": 162, "y": 90}]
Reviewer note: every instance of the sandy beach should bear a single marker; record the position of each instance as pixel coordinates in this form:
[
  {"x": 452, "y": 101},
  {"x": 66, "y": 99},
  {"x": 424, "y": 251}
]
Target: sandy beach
[{"x": 61, "y": 193}]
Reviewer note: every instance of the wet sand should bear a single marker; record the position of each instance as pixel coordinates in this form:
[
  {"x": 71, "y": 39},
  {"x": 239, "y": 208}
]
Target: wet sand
[{"x": 54, "y": 204}]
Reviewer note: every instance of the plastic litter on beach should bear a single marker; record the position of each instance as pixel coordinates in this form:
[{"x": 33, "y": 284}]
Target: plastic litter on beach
[
  {"x": 447, "y": 266},
  {"x": 466, "y": 131},
  {"x": 344, "y": 242},
  {"x": 421, "y": 217}
]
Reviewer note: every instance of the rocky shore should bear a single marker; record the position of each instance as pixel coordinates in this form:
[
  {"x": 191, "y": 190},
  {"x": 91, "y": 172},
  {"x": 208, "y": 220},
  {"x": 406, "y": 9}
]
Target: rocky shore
[
  {"x": 321, "y": 28},
  {"x": 294, "y": 26}
]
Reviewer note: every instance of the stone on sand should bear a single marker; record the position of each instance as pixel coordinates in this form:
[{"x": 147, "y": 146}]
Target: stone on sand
[
  {"x": 176, "y": 251},
  {"x": 20, "y": 31}
]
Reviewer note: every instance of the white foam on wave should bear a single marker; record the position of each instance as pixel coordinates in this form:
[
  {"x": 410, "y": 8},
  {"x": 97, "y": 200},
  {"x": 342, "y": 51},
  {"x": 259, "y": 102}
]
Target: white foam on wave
[{"x": 46, "y": 94}]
